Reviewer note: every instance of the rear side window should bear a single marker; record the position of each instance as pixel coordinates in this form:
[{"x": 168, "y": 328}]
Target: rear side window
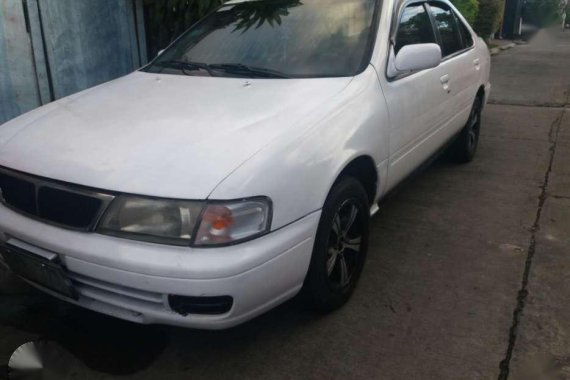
[
  {"x": 448, "y": 29},
  {"x": 415, "y": 27}
]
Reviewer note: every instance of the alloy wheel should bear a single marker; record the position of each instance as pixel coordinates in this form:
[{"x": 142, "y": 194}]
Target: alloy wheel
[
  {"x": 474, "y": 123},
  {"x": 345, "y": 244}
]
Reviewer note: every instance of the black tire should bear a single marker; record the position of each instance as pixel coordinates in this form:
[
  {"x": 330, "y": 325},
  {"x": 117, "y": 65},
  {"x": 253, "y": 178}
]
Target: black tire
[
  {"x": 464, "y": 148},
  {"x": 339, "y": 245}
]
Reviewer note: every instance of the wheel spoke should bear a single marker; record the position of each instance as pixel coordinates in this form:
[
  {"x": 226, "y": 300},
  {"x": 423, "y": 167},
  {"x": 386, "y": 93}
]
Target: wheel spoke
[
  {"x": 474, "y": 120},
  {"x": 344, "y": 248},
  {"x": 344, "y": 279},
  {"x": 331, "y": 261},
  {"x": 336, "y": 227},
  {"x": 353, "y": 244},
  {"x": 472, "y": 139},
  {"x": 350, "y": 221}
]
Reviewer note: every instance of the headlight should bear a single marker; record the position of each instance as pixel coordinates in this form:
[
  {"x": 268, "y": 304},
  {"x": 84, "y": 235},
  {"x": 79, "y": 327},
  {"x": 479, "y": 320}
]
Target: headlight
[
  {"x": 186, "y": 222},
  {"x": 157, "y": 220}
]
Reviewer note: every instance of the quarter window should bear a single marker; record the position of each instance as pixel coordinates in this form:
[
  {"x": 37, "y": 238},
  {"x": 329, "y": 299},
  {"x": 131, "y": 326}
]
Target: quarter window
[
  {"x": 415, "y": 28},
  {"x": 448, "y": 29}
]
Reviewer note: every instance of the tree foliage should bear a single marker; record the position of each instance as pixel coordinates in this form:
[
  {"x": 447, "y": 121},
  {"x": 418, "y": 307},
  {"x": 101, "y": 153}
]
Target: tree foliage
[
  {"x": 468, "y": 8},
  {"x": 543, "y": 12},
  {"x": 489, "y": 17}
]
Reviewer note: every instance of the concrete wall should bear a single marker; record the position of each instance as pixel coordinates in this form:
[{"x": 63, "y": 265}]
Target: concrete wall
[
  {"x": 18, "y": 88},
  {"x": 53, "y": 48}
]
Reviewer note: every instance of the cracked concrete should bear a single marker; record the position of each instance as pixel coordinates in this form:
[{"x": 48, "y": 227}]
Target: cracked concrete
[
  {"x": 536, "y": 347},
  {"x": 449, "y": 252},
  {"x": 523, "y": 292}
]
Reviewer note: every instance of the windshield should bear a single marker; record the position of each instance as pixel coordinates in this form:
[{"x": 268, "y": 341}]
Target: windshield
[{"x": 275, "y": 38}]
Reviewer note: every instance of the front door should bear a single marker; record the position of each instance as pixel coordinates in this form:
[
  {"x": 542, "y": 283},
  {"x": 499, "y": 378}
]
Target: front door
[{"x": 417, "y": 102}]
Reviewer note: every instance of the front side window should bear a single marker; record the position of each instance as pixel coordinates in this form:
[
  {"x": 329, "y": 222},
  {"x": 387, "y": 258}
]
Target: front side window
[
  {"x": 465, "y": 33},
  {"x": 448, "y": 30},
  {"x": 415, "y": 27},
  {"x": 278, "y": 38}
]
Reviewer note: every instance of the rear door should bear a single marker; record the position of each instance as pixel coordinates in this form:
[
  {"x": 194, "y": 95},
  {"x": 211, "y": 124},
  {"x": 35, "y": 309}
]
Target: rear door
[{"x": 460, "y": 62}]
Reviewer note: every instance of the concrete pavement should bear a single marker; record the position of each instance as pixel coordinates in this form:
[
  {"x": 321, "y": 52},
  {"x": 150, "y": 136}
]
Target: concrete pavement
[
  {"x": 466, "y": 278},
  {"x": 541, "y": 347}
]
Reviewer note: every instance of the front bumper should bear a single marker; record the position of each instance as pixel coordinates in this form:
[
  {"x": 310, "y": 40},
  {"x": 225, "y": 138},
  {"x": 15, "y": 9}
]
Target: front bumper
[{"x": 132, "y": 280}]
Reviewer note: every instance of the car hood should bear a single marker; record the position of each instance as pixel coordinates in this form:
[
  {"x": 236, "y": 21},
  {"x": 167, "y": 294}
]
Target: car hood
[{"x": 161, "y": 135}]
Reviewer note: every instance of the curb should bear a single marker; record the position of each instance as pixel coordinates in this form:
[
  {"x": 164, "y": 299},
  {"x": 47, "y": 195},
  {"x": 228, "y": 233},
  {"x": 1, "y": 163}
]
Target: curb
[{"x": 497, "y": 50}]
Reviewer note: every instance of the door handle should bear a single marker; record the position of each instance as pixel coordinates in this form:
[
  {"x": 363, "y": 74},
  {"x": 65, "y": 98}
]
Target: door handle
[
  {"x": 445, "y": 83},
  {"x": 477, "y": 63}
]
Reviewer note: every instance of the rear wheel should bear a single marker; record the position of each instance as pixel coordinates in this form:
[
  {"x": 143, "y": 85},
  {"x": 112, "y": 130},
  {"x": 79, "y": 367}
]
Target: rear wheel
[
  {"x": 340, "y": 247},
  {"x": 464, "y": 148}
]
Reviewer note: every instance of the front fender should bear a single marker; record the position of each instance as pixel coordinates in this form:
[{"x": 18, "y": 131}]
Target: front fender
[{"x": 298, "y": 171}]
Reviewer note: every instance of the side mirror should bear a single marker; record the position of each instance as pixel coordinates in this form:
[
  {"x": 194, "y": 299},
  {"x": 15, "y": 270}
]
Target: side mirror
[{"x": 416, "y": 57}]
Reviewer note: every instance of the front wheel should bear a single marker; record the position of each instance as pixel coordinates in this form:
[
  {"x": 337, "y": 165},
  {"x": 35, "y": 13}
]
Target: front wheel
[
  {"x": 464, "y": 148},
  {"x": 340, "y": 246}
]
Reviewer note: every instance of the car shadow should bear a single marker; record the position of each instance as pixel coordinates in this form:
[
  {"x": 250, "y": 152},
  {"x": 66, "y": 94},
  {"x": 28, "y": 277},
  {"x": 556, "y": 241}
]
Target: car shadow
[
  {"x": 116, "y": 347},
  {"x": 101, "y": 343}
]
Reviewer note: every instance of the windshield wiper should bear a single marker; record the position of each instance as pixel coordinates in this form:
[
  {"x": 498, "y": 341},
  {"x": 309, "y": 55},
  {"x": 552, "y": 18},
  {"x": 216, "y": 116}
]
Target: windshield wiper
[
  {"x": 185, "y": 66},
  {"x": 234, "y": 68},
  {"x": 239, "y": 68}
]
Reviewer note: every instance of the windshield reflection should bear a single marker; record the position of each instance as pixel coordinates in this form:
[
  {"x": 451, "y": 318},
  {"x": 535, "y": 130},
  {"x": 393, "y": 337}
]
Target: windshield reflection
[{"x": 295, "y": 38}]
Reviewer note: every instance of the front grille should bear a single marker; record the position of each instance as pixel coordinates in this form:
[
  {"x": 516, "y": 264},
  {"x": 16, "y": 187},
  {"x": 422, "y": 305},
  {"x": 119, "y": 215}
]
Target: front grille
[
  {"x": 18, "y": 193},
  {"x": 65, "y": 205},
  {"x": 67, "y": 208}
]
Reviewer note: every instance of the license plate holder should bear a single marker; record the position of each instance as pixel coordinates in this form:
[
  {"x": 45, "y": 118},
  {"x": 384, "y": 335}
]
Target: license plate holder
[{"x": 39, "y": 270}]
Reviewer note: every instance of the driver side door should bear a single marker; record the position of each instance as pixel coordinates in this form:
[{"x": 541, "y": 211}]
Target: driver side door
[{"x": 417, "y": 101}]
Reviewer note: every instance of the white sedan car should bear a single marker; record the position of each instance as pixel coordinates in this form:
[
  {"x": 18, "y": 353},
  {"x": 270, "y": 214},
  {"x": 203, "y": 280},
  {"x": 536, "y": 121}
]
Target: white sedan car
[{"x": 241, "y": 166}]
